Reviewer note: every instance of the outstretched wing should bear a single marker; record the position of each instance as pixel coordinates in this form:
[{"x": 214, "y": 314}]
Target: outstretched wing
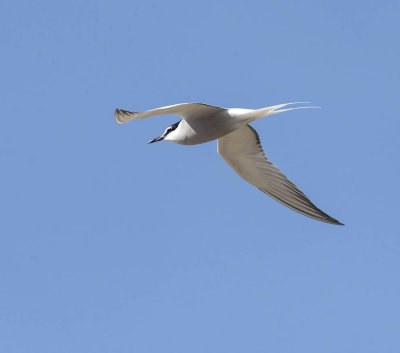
[
  {"x": 187, "y": 111},
  {"x": 242, "y": 150}
]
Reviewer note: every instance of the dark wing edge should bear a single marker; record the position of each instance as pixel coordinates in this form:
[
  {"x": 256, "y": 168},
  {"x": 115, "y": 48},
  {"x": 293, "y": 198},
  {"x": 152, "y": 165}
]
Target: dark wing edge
[
  {"x": 295, "y": 191},
  {"x": 124, "y": 116},
  {"x": 263, "y": 174}
]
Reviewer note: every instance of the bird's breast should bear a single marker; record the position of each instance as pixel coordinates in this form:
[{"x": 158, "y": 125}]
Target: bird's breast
[{"x": 208, "y": 129}]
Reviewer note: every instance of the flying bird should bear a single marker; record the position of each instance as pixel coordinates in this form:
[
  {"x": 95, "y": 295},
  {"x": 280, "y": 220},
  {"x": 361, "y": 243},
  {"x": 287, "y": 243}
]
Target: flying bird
[{"x": 238, "y": 144}]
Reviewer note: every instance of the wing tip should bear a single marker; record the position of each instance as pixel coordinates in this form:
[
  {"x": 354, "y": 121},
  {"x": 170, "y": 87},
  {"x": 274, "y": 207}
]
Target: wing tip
[
  {"x": 334, "y": 221},
  {"x": 117, "y": 116},
  {"x": 124, "y": 116},
  {"x": 325, "y": 217}
]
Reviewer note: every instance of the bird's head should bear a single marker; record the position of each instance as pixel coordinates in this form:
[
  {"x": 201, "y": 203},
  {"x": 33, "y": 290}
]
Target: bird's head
[{"x": 168, "y": 134}]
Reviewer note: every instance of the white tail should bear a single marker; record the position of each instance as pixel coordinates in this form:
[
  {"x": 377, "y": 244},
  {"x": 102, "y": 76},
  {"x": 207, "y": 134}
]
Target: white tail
[{"x": 259, "y": 113}]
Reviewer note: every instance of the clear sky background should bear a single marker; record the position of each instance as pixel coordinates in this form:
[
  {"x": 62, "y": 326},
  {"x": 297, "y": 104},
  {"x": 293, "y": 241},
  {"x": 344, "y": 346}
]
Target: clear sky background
[{"x": 112, "y": 245}]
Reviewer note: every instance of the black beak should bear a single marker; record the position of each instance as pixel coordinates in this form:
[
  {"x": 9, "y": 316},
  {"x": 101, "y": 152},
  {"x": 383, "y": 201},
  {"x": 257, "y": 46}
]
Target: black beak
[{"x": 156, "y": 139}]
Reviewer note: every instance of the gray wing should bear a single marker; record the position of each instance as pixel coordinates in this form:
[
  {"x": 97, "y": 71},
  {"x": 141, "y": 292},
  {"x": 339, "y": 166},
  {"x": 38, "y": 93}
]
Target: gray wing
[
  {"x": 187, "y": 111},
  {"x": 242, "y": 150}
]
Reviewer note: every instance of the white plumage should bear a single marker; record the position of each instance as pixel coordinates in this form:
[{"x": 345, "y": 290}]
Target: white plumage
[{"x": 238, "y": 144}]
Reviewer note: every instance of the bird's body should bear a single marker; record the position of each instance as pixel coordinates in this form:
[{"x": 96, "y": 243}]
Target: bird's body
[
  {"x": 205, "y": 130},
  {"x": 238, "y": 144}
]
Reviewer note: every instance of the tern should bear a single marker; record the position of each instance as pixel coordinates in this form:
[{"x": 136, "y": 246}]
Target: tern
[{"x": 238, "y": 144}]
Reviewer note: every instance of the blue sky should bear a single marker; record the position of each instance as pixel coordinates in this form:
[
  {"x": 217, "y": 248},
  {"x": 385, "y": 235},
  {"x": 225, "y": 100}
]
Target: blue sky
[{"x": 112, "y": 245}]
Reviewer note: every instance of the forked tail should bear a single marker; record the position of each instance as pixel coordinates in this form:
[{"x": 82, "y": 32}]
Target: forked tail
[{"x": 259, "y": 113}]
